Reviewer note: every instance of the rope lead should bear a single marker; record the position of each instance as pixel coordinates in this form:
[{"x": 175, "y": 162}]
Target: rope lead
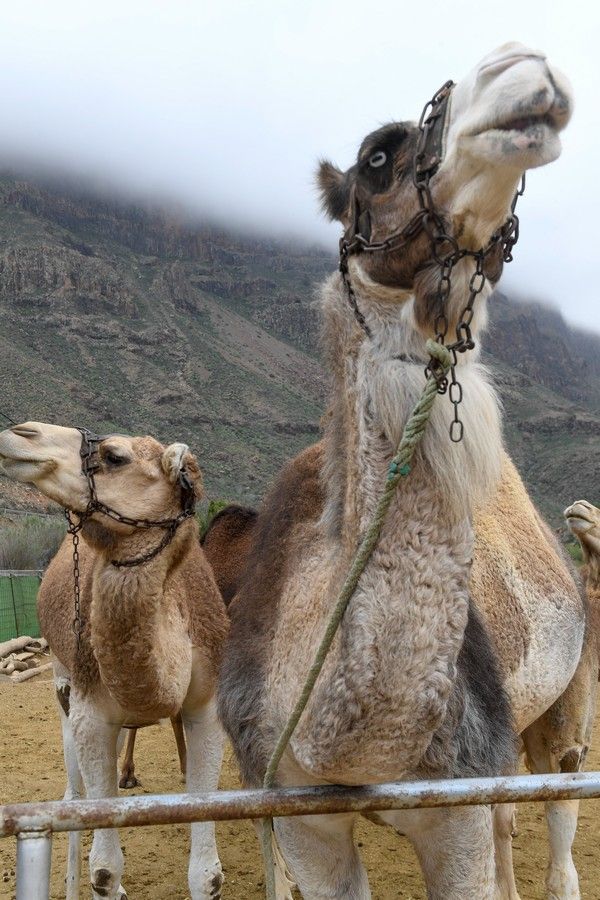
[{"x": 399, "y": 468}]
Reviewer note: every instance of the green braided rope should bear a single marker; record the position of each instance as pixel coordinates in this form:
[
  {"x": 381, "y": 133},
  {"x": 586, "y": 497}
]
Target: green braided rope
[{"x": 399, "y": 468}]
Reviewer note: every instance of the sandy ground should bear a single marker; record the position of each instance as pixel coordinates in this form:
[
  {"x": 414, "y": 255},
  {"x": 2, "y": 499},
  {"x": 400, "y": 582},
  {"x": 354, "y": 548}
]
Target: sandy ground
[{"x": 156, "y": 858}]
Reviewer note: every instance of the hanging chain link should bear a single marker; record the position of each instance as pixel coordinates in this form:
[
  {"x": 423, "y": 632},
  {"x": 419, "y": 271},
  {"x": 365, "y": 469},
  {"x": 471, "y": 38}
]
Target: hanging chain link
[
  {"x": 445, "y": 251},
  {"x": 73, "y": 529}
]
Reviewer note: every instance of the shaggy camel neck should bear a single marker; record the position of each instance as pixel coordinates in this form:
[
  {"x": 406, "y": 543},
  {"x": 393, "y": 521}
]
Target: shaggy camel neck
[
  {"x": 386, "y": 686},
  {"x": 139, "y": 636}
]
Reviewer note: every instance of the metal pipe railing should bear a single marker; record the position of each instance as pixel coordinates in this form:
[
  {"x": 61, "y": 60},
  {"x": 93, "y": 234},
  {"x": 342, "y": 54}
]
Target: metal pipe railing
[
  {"x": 34, "y": 855},
  {"x": 78, "y": 815}
]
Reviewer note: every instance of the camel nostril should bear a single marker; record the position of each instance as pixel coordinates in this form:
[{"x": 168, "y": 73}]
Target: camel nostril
[
  {"x": 26, "y": 431},
  {"x": 497, "y": 66}
]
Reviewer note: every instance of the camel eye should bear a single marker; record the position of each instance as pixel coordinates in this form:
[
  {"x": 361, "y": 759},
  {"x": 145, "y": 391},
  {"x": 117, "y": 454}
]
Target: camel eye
[
  {"x": 114, "y": 460},
  {"x": 377, "y": 159}
]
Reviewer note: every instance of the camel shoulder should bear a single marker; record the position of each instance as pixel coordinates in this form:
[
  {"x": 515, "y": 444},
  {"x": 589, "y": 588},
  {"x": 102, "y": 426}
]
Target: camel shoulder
[{"x": 510, "y": 528}]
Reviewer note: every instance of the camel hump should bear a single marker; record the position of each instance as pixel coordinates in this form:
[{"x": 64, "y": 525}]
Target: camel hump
[
  {"x": 231, "y": 521},
  {"x": 226, "y": 544}
]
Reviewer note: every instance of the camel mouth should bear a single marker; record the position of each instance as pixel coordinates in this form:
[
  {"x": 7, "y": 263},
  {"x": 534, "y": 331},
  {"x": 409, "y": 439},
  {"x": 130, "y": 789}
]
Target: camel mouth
[
  {"x": 527, "y": 125},
  {"x": 523, "y": 123},
  {"x": 20, "y": 469},
  {"x": 579, "y": 518}
]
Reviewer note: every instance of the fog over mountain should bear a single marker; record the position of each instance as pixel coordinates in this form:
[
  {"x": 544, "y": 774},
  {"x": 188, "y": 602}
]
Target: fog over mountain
[
  {"x": 131, "y": 321},
  {"x": 226, "y": 107}
]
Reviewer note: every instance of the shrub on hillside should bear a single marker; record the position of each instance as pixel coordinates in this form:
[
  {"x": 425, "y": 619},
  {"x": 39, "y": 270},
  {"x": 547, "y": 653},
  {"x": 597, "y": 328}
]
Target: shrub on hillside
[
  {"x": 205, "y": 515},
  {"x": 31, "y": 543}
]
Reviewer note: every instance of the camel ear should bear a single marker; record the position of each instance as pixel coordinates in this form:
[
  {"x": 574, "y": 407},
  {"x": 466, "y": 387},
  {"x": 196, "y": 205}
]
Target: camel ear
[
  {"x": 178, "y": 462},
  {"x": 334, "y": 191}
]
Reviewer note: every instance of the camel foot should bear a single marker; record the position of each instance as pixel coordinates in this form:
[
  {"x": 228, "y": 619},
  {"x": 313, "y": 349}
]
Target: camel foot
[
  {"x": 101, "y": 886},
  {"x": 129, "y": 781},
  {"x": 563, "y": 884},
  {"x": 210, "y": 885}
]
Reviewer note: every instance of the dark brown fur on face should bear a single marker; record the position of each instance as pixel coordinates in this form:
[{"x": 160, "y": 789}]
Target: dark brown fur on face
[
  {"x": 226, "y": 545},
  {"x": 379, "y": 201}
]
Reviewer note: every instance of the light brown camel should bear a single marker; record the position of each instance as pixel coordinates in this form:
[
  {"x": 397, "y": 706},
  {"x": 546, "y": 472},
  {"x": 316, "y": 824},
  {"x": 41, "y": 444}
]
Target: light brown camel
[
  {"x": 226, "y": 545},
  {"x": 152, "y": 632},
  {"x": 467, "y": 621},
  {"x": 583, "y": 520}
]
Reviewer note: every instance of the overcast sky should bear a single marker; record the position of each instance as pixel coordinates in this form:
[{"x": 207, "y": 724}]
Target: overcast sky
[{"x": 226, "y": 106}]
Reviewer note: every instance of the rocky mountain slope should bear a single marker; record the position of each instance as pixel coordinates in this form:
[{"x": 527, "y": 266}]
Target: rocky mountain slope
[{"x": 123, "y": 318}]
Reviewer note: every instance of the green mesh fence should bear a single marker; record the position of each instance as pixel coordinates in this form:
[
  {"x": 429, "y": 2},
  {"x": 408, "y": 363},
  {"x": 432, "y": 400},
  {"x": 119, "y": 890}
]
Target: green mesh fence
[{"x": 18, "y": 605}]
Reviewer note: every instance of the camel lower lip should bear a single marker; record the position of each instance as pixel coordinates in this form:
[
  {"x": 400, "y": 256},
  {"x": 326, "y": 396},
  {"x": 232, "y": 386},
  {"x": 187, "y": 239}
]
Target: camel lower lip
[
  {"x": 9, "y": 463},
  {"x": 521, "y": 125},
  {"x": 578, "y": 521}
]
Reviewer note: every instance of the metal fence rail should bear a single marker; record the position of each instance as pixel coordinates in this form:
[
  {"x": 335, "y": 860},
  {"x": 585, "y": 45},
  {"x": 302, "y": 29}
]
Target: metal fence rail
[{"x": 34, "y": 823}]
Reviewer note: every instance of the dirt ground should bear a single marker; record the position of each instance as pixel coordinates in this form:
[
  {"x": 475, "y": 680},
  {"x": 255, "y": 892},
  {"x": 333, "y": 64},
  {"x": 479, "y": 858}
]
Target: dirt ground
[{"x": 31, "y": 768}]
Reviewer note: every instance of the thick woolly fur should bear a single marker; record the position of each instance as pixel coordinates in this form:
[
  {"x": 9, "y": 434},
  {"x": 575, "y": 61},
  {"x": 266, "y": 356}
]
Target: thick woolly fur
[
  {"x": 388, "y": 379},
  {"x": 414, "y": 593}
]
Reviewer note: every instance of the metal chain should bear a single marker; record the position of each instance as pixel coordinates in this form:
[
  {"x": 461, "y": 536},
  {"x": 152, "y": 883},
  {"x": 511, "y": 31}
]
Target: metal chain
[
  {"x": 344, "y": 251},
  {"x": 74, "y": 529},
  {"x": 445, "y": 251}
]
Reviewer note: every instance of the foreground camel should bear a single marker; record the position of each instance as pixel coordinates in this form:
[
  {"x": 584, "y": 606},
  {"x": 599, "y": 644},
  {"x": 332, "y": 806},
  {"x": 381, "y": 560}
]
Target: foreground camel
[
  {"x": 466, "y": 623},
  {"x": 151, "y": 633}
]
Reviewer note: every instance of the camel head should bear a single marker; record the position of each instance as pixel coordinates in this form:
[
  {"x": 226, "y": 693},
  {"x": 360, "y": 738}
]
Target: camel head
[
  {"x": 583, "y": 520},
  {"x": 503, "y": 118},
  {"x": 136, "y": 476}
]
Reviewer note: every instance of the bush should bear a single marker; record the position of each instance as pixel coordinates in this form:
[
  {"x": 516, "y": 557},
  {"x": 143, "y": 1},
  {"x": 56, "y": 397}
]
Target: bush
[
  {"x": 207, "y": 514},
  {"x": 574, "y": 550},
  {"x": 31, "y": 543}
]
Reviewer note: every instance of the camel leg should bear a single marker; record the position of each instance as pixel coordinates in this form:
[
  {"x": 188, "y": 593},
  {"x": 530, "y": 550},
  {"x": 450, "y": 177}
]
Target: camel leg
[
  {"x": 455, "y": 848},
  {"x": 562, "y": 882},
  {"x": 558, "y": 742},
  {"x": 74, "y": 787},
  {"x": 96, "y": 743},
  {"x": 503, "y": 818},
  {"x": 205, "y": 739},
  {"x": 177, "y": 725},
  {"x": 320, "y": 854},
  {"x": 128, "y": 779}
]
